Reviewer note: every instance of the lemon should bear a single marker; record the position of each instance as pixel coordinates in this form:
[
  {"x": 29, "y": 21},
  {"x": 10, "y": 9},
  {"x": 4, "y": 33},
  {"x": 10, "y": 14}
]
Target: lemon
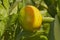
[{"x": 30, "y": 18}]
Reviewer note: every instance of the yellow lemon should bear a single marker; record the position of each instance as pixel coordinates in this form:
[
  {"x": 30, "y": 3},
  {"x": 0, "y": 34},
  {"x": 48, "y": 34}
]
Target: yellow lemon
[{"x": 30, "y": 18}]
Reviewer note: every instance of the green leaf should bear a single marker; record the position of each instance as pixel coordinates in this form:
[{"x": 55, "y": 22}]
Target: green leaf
[
  {"x": 0, "y": 2},
  {"x": 42, "y": 37},
  {"x": 14, "y": 5},
  {"x": 48, "y": 19},
  {"x": 11, "y": 26},
  {"x": 2, "y": 27},
  {"x": 14, "y": 10},
  {"x": 13, "y": 15},
  {"x": 3, "y": 19},
  {"x": 3, "y": 13},
  {"x": 6, "y": 4}
]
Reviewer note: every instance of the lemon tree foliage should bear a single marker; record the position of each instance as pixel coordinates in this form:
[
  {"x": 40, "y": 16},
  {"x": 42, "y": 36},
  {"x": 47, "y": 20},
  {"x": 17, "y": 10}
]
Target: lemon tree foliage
[
  {"x": 28, "y": 19},
  {"x": 3, "y": 19}
]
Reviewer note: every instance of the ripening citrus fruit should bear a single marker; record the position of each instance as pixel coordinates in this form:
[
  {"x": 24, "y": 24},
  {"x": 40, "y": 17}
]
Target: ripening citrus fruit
[{"x": 30, "y": 18}]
